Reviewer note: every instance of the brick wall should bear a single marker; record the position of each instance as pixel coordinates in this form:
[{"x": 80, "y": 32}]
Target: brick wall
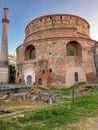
[{"x": 50, "y": 35}]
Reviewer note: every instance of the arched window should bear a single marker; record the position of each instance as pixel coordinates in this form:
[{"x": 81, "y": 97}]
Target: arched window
[
  {"x": 32, "y": 53},
  {"x": 73, "y": 48}
]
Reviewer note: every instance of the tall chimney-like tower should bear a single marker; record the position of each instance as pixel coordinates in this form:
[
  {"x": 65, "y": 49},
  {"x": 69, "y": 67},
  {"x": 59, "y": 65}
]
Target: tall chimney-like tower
[
  {"x": 4, "y": 45},
  {"x": 4, "y": 68}
]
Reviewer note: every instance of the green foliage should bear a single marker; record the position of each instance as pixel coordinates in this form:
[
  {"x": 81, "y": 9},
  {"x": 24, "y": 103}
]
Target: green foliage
[
  {"x": 7, "y": 124},
  {"x": 12, "y": 73},
  {"x": 68, "y": 91}
]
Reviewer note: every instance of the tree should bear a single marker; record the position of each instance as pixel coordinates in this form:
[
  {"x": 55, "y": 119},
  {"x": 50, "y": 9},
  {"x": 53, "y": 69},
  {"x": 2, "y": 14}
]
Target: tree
[{"x": 12, "y": 74}]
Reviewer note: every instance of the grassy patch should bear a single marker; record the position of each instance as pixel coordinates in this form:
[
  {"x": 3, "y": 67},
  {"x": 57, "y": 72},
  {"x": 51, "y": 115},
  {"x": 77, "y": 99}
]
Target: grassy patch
[
  {"x": 56, "y": 116},
  {"x": 68, "y": 91},
  {"x": 22, "y": 104}
]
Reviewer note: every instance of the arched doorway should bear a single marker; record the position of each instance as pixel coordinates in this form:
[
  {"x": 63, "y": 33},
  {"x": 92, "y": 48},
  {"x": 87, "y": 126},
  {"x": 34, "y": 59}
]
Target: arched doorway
[
  {"x": 29, "y": 80},
  {"x": 74, "y": 74},
  {"x": 29, "y": 76}
]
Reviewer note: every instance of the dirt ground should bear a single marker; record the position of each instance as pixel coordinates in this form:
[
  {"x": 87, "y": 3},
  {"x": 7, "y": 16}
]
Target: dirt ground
[{"x": 89, "y": 124}]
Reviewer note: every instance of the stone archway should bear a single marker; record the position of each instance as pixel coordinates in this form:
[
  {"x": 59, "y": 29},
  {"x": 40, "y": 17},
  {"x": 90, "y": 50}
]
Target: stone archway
[{"x": 70, "y": 75}]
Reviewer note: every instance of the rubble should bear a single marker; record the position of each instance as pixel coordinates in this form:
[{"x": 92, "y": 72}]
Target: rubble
[
  {"x": 49, "y": 97},
  {"x": 23, "y": 93}
]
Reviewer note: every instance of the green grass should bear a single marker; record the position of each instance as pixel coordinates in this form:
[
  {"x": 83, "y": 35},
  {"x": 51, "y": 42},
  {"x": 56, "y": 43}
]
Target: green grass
[
  {"x": 68, "y": 91},
  {"x": 55, "y": 116},
  {"x": 19, "y": 103},
  {"x": 23, "y": 105}
]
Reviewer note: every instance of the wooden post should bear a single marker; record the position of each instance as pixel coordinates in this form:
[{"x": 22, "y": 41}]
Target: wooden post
[{"x": 76, "y": 78}]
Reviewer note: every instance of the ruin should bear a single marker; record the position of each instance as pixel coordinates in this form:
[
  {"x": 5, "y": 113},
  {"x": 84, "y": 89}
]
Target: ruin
[{"x": 55, "y": 48}]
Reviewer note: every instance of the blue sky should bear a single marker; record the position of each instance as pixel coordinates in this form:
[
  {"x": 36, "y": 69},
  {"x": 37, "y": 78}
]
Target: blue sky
[{"x": 21, "y": 12}]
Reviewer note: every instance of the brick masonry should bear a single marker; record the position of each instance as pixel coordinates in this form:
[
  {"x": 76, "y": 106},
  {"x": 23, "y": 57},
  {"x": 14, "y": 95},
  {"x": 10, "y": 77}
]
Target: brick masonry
[{"x": 50, "y": 36}]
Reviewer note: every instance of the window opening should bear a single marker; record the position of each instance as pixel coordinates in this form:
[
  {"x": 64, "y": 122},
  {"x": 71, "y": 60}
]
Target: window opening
[
  {"x": 76, "y": 76},
  {"x": 32, "y": 53},
  {"x": 72, "y": 50},
  {"x": 50, "y": 70}
]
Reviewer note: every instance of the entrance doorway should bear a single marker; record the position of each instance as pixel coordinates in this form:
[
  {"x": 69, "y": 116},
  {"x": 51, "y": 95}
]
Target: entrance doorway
[{"x": 29, "y": 80}]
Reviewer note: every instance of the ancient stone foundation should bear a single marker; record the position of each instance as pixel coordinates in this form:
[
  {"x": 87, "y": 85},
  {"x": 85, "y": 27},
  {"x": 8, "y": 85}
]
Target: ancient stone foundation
[{"x": 4, "y": 75}]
